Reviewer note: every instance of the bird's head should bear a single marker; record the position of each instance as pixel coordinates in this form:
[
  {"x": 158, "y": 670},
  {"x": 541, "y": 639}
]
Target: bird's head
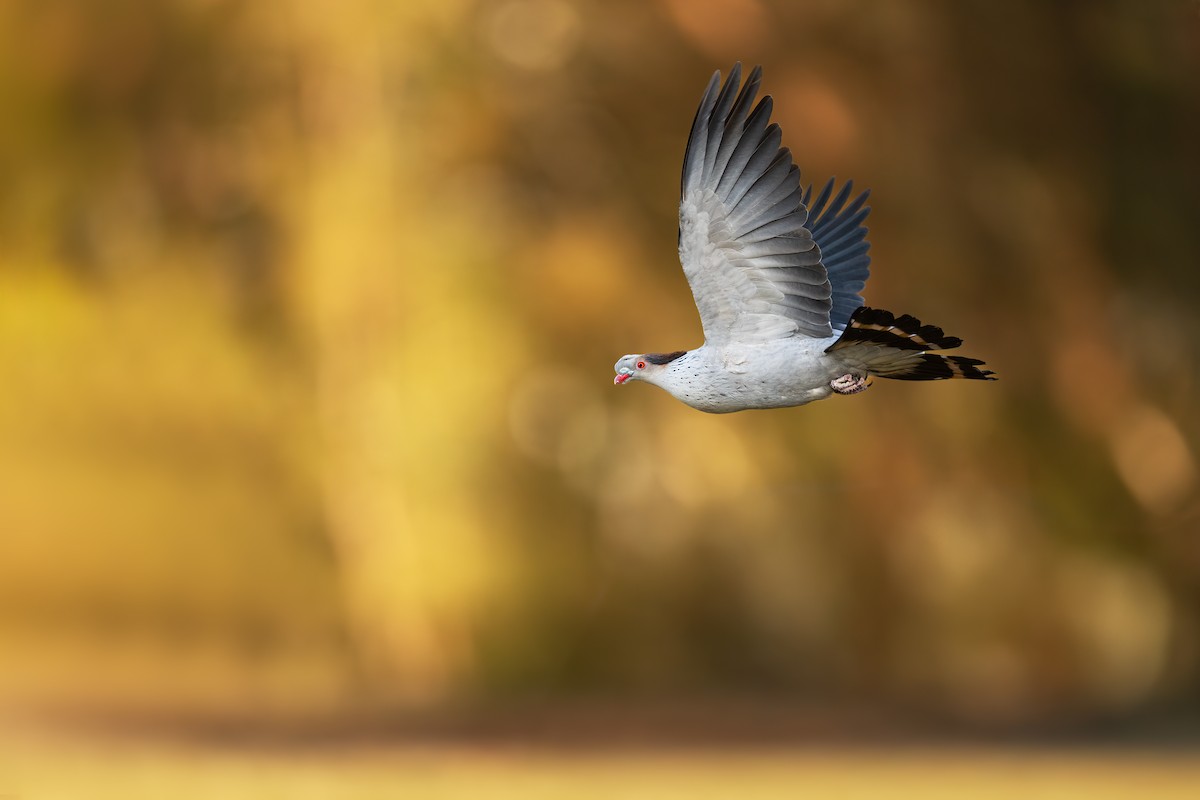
[
  {"x": 643, "y": 367},
  {"x": 630, "y": 367}
]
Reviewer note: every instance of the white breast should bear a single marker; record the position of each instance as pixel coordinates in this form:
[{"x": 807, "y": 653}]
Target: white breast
[{"x": 778, "y": 374}]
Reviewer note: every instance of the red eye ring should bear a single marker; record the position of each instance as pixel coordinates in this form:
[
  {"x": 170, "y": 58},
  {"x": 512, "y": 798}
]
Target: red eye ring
[{"x": 641, "y": 365}]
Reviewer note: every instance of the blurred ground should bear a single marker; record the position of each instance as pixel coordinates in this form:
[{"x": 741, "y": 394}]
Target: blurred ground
[{"x": 69, "y": 769}]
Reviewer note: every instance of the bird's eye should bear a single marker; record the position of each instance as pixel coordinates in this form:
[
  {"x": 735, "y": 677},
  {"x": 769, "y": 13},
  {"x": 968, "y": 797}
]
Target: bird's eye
[{"x": 641, "y": 365}]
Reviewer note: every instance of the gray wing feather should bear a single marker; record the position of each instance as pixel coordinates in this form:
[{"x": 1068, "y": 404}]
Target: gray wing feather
[
  {"x": 842, "y": 237},
  {"x": 755, "y": 270},
  {"x": 752, "y": 135},
  {"x": 762, "y": 161},
  {"x": 770, "y": 187},
  {"x": 697, "y": 147}
]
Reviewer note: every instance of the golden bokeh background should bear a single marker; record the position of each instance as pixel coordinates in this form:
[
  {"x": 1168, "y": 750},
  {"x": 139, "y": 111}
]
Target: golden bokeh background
[{"x": 307, "y": 318}]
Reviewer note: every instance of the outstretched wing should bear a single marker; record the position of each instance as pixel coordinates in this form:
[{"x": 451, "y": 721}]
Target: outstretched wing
[
  {"x": 754, "y": 268},
  {"x": 842, "y": 237}
]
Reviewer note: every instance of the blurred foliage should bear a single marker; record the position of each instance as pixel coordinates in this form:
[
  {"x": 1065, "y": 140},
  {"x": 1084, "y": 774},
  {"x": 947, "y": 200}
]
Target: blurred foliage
[{"x": 307, "y": 313}]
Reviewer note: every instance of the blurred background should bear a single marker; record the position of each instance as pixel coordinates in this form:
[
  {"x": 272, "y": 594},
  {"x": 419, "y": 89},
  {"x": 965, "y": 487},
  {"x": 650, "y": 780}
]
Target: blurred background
[{"x": 307, "y": 427}]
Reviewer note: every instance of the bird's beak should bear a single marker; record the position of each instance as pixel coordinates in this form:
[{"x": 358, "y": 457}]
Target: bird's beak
[{"x": 622, "y": 377}]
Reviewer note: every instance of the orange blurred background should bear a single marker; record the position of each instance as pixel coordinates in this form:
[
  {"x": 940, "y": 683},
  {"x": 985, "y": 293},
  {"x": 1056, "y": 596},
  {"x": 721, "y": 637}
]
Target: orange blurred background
[{"x": 307, "y": 317}]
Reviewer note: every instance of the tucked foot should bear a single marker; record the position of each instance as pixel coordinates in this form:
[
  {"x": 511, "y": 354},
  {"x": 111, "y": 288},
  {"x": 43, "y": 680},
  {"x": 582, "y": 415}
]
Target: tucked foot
[{"x": 850, "y": 384}]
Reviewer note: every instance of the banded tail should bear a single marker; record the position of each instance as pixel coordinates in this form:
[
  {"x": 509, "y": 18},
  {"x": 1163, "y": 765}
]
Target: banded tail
[{"x": 896, "y": 347}]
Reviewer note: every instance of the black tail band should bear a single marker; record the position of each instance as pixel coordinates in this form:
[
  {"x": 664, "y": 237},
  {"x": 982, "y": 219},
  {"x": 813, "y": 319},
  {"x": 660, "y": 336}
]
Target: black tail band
[
  {"x": 882, "y": 344},
  {"x": 932, "y": 367},
  {"x": 876, "y": 326}
]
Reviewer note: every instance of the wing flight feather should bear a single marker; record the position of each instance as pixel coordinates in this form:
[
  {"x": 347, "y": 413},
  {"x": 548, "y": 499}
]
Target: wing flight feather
[{"x": 754, "y": 267}]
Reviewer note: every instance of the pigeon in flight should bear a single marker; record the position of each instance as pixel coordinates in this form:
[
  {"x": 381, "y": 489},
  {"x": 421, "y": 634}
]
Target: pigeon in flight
[{"x": 776, "y": 278}]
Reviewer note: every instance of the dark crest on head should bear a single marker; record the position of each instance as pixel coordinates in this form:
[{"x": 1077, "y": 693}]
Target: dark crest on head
[{"x": 663, "y": 358}]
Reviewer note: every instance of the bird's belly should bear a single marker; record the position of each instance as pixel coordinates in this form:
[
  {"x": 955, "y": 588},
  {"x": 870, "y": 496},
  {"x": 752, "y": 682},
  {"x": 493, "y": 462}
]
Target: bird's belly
[
  {"x": 763, "y": 388},
  {"x": 745, "y": 396}
]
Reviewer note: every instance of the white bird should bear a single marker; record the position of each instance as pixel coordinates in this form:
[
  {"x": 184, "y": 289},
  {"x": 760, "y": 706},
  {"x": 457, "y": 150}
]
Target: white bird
[{"x": 777, "y": 287}]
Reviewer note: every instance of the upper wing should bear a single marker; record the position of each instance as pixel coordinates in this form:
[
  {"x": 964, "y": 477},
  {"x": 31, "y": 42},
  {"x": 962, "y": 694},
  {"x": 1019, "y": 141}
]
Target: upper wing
[
  {"x": 840, "y": 234},
  {"x": 753, "y": 266}
]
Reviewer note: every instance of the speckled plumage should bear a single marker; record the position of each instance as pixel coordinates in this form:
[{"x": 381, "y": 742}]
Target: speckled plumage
[
  {"x": 736, "y": 377},
  {"x": 778, "y": 290}
]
